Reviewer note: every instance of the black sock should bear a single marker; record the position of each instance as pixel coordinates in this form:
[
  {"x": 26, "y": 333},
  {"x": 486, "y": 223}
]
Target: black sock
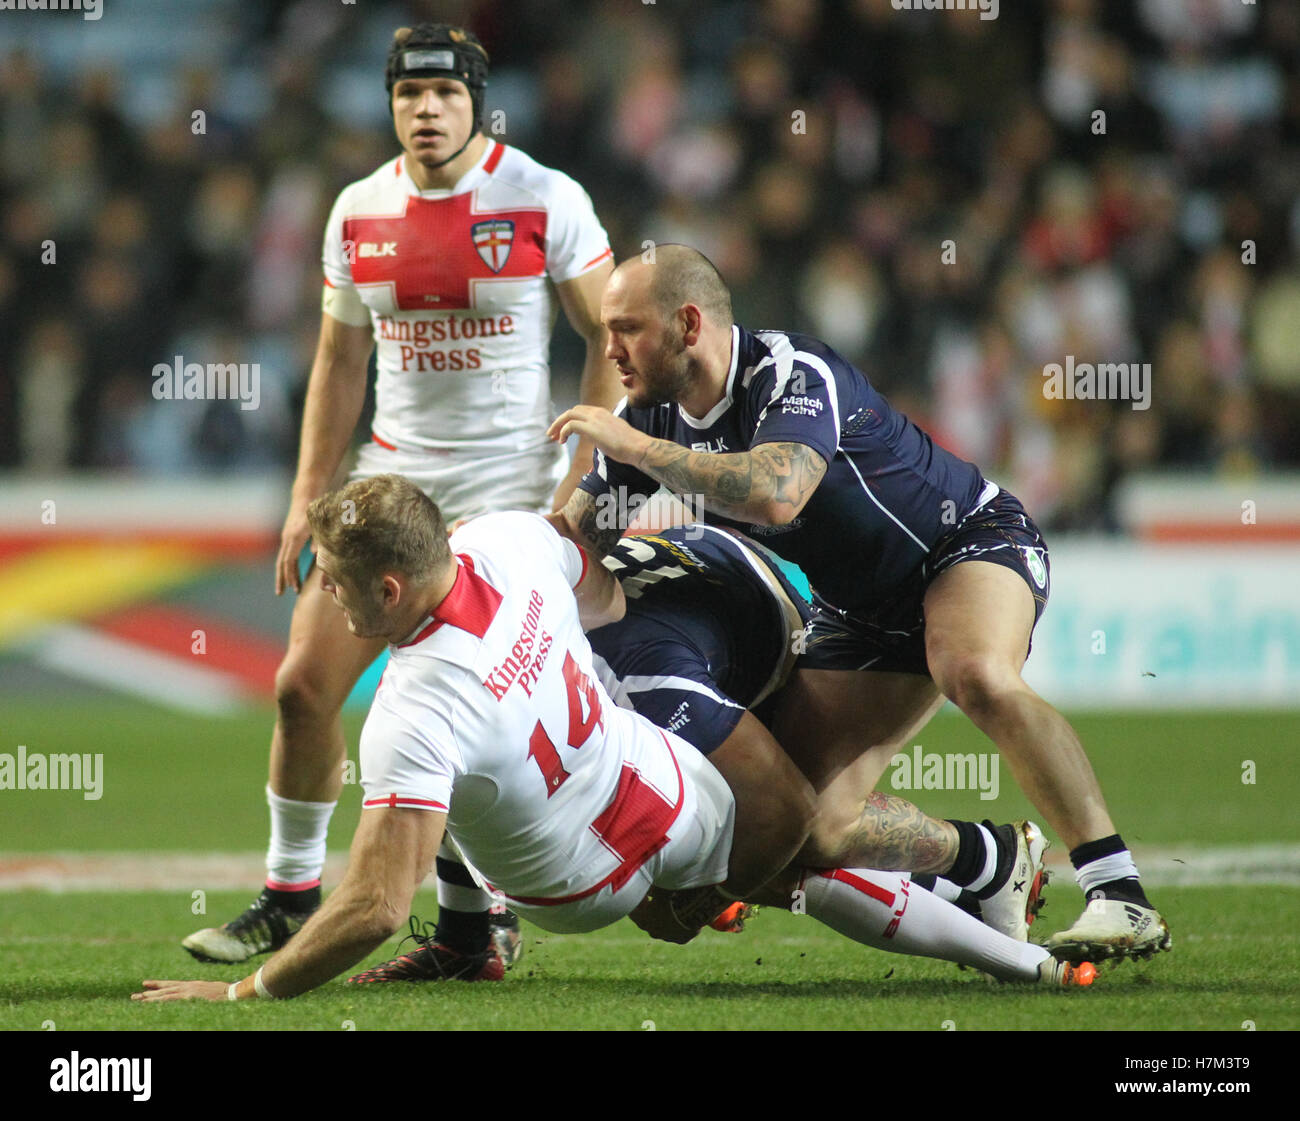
[
  {"x": 297, "y": 901},
  {"x": 1127, "y": 889},
  {"x": 971, "y": 855},
  {"x": 466, "y": 932},
  {"x": 1095, "y": 850}
]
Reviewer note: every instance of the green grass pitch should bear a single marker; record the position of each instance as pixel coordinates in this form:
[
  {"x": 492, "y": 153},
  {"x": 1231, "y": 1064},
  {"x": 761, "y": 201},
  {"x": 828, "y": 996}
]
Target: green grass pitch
[
  {"x": 73, "y": 959},
  {"x": 178, "y": 784}
]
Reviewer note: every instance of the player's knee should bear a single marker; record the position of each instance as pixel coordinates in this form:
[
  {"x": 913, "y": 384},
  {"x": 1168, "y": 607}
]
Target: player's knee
[
  {"x": 975, "y": 682},
  {"x": 385, "y": 919},
  {"x": 828, "y": 840},
  {"x": 300, "y": 694}
]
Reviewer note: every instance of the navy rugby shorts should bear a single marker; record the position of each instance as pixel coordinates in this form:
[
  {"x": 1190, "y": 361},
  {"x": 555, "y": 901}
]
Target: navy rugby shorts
[{"x": 892, "y": 636}]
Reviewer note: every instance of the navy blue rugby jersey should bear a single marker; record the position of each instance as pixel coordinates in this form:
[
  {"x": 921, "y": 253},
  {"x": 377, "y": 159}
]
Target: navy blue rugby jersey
[
  {"x": 889, "y": 492},
  {"x": 716, "y": 596}
]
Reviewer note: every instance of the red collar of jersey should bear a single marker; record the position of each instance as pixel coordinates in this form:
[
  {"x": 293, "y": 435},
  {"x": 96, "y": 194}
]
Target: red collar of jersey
[
  {"x": 488, "y": 164},
  {"x": 471, "y": 605}
]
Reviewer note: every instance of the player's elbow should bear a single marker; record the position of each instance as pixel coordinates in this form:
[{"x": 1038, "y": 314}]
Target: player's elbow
[
  {"x": 776, "y": 512},
  {"x": 617, "y": 606},
  {"x": 374, "y": 906},
  {"x": 561, "y": 524},
  {"x": 612, "y": 606},
  {"x": 382, "y": 918}
]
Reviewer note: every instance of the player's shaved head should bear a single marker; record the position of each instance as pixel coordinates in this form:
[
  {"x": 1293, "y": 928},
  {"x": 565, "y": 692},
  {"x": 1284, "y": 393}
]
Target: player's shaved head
[
  {"x": 677, "y": 275},
  {"x": 668, "y": 318},
  {"x": 377, "y": 525}
]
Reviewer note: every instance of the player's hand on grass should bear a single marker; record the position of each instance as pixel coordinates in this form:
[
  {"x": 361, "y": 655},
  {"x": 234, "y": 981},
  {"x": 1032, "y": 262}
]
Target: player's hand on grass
[
  {"x": 183, "y": 990},
  {"x": 293, "y": 537},
  {"x": 611, "y": 434}
]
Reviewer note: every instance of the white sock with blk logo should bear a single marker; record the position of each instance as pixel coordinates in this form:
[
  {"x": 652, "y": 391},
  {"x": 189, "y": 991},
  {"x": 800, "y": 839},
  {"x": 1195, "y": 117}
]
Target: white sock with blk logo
[{"x": 888, "y": 912}]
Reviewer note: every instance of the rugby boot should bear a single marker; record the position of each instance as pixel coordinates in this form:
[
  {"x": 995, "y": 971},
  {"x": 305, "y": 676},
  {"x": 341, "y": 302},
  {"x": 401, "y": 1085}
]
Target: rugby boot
[
  {"x": 432, "y": 961},
  {"x": 1112, "y": 928},
  {"x": 265, "y": 926},
  {"x": 1013, "y": 905}
]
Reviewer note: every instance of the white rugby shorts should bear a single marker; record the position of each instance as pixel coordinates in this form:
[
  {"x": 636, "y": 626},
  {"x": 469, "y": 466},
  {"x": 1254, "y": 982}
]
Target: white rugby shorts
[
  {"x": 697, "y": 854},
  {"x": 474, "y": 480}
]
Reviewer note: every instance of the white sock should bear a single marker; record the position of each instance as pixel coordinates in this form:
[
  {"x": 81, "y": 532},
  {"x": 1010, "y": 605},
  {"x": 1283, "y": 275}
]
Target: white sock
[
  {"x": 1119, "y": 866},
  {"x": 990, "y": 861},
  {"x": 458, "y": 896},
  {"x": 295, "y": 857},
  {"x": 886, "y": 911},
  {"x": 946, "y": 890}
]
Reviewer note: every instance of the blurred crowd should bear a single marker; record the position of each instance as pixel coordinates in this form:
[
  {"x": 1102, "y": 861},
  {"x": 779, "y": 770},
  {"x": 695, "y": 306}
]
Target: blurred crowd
[{"x": 951, "y": 202}]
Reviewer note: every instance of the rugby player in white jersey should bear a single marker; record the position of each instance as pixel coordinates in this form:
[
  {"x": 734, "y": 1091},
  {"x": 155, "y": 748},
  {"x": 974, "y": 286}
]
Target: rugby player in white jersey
[
  {"x": 492, "y": 725},
  {"x": 450, "y": 259}
]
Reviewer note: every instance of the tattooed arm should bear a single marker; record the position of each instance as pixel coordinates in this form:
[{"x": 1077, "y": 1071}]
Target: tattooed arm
[
  {"x": 893, "y": 835},
  {"x": 585, "y": 522},
  {"x": 768, "y": 485}
]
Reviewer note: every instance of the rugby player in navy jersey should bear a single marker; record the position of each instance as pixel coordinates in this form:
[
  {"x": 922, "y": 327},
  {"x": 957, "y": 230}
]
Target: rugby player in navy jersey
[
  {"x": 712, "y": 627},
  {"x": 928, "y": 579},
  {"x": 708, "y": 633}
]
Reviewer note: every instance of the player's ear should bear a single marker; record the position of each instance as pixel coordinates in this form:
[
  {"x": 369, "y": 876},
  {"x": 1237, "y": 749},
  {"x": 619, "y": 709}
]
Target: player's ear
[
  {"x": 391, "y": 590},
  {"x": 692, "y": 320}
]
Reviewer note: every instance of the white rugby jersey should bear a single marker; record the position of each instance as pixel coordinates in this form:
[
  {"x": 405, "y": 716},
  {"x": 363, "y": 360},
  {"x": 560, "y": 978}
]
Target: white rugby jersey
[
  {"x": 492, "y": 712},
  {"x": 455, "y": 284}
]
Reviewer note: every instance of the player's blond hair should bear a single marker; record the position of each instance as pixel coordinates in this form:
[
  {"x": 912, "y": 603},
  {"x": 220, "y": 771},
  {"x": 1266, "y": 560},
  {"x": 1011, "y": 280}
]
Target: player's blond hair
[{"x": 378, "y": 525}]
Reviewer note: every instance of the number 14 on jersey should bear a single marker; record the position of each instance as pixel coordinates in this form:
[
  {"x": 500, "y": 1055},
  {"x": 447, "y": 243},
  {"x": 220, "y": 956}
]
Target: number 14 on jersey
[{"x": 541, "y": 749}]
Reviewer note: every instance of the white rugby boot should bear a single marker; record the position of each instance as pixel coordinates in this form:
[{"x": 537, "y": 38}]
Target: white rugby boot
[
  {"x": 1112, "y": 928},
  {"x": 1011, "y": 908}
]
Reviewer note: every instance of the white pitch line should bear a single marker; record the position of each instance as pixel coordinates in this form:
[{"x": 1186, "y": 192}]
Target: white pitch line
[
  {"x": 1163, "y": 866},
  {"x": 1192, "y": 866},
  {"x": 165, "y": 679},
  {"x": 142, "y": 871}
]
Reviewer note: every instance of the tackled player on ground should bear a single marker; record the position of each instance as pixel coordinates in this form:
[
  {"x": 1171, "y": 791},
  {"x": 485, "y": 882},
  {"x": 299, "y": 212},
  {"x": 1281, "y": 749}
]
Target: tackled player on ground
[{"x": 490, "y": 723}]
